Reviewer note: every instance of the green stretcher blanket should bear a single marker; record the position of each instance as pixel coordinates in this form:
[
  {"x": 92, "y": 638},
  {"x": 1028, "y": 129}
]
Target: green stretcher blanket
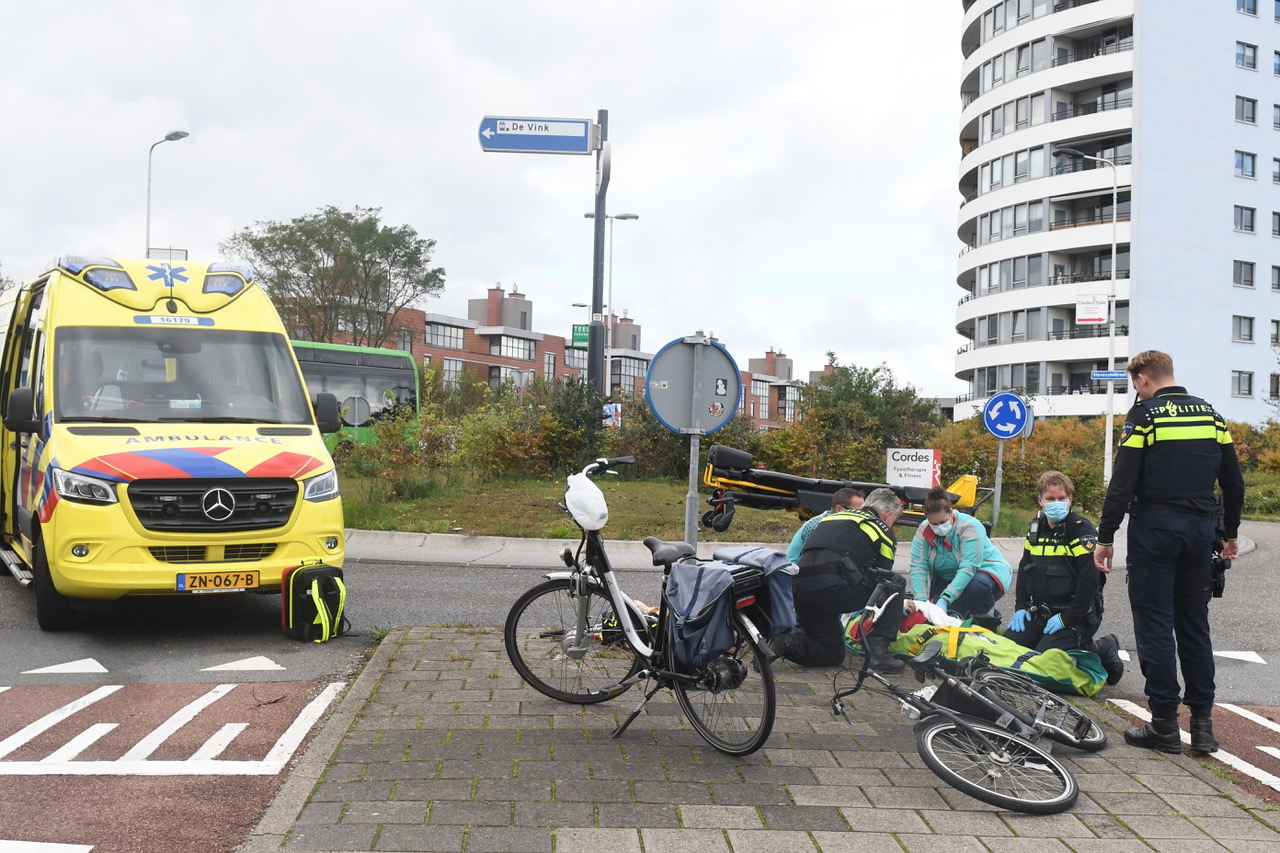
[{"x": 1077, "y": 672}]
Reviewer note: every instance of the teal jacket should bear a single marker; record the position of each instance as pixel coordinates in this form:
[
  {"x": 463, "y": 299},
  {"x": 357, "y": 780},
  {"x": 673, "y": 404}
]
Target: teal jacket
[
  {"x": 955, "y": 558},
  {"x": 802, "y": 536}
]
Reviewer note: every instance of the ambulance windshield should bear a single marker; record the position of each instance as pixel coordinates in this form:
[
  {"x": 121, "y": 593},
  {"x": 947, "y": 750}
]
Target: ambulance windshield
[{"x": 164, "y": 374}]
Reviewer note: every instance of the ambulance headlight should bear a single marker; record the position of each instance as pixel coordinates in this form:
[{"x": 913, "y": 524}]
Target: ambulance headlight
[
  {"x": 322, "y": 488},
  {"x": 83, "y": 489}
]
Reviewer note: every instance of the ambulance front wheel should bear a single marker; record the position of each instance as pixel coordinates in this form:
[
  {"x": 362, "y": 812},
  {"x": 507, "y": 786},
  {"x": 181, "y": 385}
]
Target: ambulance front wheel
[{"x": 53, "y": 609}]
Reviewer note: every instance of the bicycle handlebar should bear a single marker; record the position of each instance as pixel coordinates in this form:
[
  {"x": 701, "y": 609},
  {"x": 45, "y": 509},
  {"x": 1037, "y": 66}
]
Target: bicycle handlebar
[{"x": 602, "y": 465}]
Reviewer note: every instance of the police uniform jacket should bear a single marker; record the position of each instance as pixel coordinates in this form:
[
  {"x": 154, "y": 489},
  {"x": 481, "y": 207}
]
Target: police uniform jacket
[
  {"x": 858, "y": 534},
  {"x": 1172, "y": 449},
  {"x": 1057, "y": 572}
]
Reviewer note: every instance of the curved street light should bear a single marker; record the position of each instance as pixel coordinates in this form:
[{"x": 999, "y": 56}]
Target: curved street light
[
  {"x": 608, "y": 332},
  {"x": 1076, "y": 154},
  {"x": 171, "y": 136}
]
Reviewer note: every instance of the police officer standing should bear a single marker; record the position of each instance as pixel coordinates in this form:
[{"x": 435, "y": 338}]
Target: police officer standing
[
  {"x": 849, "y": 552},
  {"x": 1059, "y": 596},
  {"x": 1173, "y": 448}
]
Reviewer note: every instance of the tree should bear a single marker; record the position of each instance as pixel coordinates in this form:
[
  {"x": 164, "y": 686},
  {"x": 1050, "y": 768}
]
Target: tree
[
  {"x": 339, "y": 276},
  {"x": 6, "y": 283},
  {"x": 849, "y": 418}
]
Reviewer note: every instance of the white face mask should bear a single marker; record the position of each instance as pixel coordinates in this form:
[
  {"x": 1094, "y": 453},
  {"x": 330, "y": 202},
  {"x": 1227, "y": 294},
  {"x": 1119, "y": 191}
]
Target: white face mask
[{"x": 942, "y": 529}]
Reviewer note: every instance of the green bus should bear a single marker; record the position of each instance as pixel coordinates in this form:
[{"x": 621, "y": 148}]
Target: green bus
[{"x": 370, "y": 383}]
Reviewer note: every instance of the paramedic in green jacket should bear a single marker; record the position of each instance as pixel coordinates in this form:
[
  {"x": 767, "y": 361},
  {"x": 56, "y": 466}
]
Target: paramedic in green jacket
[{"x": 955, "y": 564}]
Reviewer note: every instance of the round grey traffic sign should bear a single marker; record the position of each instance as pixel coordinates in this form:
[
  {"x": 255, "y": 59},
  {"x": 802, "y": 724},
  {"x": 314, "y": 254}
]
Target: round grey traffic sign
[{"x": 693, "y": 385}]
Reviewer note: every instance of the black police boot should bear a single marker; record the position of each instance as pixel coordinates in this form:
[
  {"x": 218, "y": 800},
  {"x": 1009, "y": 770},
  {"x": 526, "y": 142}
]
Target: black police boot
[
  {"x": 881, "y": 659},
  {"x": 1202, "y": 739},
  {"x": 790, "y": 645},
  {"x": 1161, "y": 734},
  {"x": 1109, "y": 654}
]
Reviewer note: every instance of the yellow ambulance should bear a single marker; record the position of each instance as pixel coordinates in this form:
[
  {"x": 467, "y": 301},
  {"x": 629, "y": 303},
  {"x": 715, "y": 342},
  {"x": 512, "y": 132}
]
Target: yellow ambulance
[{"x": 157, "y": 437}]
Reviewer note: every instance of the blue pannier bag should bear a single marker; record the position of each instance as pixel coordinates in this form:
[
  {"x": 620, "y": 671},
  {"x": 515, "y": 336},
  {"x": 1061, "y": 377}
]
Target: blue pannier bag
[
  {"x": 777, "y": 601},
  {"x": 700, "y": 600}
]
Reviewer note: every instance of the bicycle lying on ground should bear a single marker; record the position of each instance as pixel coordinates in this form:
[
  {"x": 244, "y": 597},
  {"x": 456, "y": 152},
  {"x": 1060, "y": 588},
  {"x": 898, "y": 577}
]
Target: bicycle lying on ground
[
  {"x": 579, "y": 638},
  {"x": 977, "y": 730}
]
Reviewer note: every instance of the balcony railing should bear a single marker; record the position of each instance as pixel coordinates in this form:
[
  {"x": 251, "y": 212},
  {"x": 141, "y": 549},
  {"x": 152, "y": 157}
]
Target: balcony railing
[
  {"x": 1121, "y": 387},
  {"x": 1094, "y": 52},
  {"x": 1064, "y": 5},
  {"x": 1085, "y": 219},
  {"x": 1053, "y": 280},
  {"x": 1091, "y": 109}
]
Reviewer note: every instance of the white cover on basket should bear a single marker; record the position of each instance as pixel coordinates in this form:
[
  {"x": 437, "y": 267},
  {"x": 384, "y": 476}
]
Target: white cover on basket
[{"x": 586, "y": 502}]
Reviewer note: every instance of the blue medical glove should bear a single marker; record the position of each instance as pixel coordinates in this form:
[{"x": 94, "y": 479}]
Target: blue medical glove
[
  {"x": 1055, "y": 624},
  {"x": 1018, "y": 621}
]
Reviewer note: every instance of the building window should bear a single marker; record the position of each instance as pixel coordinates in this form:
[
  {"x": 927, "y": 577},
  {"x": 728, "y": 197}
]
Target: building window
[
  {"x": 760, "y": 390},
  {"x": 509, "y": 347},
  {"x": 1246, "y": 110},
  {"x": 1241, "y": 383},
  {"x": 1242, "y": 329},
  {"x": 1244, "y": 218},
  {"x": 451, "y": 373},
  {"x": 1275, "y": 273},
  {"x": 1275, "y": 377},
  {"x": 1242, "y": 273},
  {"x": 1276, "y": 65},
  {"x": 405, "y": 338},
  {"x": 549, "y": 365},
  {"x": 1275, "y": 332},
  {"x": 1246, "y": 55},
  {"x": 1249, "y": 7},
  {"x": 1278, "y": 10},
  {"x": 445, "y": 337},
  {"x": 1246, "y": 164},
  {"x": 575, "y": 358},
  {"x": 1275, "y": 223},
  {"x": 1275, "y": 170}
]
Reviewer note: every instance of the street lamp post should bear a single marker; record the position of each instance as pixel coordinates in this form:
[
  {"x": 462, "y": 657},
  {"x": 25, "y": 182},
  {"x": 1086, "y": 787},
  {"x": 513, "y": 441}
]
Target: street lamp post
[
  {"x": 1111, "y": 297},
  {"x": 171, "y": 136},
  {"x": 608, "y": 329}
]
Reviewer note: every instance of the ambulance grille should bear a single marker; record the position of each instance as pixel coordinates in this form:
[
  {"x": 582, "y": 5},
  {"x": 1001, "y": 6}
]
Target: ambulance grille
[
  {"x": 178, "y": 553},
  {"x": 208, "y": 553},
  {"x": 213, "y": 505}
]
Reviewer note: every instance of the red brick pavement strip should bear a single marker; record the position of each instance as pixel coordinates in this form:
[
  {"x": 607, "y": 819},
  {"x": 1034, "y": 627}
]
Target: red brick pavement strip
[{"x": 439, "y": 746}]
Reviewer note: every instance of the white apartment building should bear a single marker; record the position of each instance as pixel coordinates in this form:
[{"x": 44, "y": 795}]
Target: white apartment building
[{"x": 1179, "y": 102}]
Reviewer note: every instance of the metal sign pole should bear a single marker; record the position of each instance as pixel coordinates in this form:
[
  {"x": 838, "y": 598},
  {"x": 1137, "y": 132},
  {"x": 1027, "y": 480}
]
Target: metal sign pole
[
  {"x": 695, "y": 445},
  {"x": 595, "y": 336},
  {"x": 995, "y": 515}
]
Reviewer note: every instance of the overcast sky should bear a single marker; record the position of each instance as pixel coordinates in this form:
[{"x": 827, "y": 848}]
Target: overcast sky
[{"x": 793, "y": 164}]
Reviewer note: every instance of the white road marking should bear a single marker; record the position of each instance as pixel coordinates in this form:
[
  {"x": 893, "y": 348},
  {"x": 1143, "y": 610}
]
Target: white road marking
[
  {"x": 80, "y": 742},
  {"x": 214, "y": 746},
  {"x": 82, "y": 665},
  {"x": 258, "y": 663},
  {"x": 51, "y": 719},
  {"x": 1249, "y": 715},
  {"x": 42, "y": 847},
  {"x": 1270, "y": 750},
  {"x": 152, "y": 741},
  {"x": 1251, "y": 657},
  {"x": 203, "y": 762},
  {"x": 1222, "y": 755},
  {"x": 1124, "y": 656}
]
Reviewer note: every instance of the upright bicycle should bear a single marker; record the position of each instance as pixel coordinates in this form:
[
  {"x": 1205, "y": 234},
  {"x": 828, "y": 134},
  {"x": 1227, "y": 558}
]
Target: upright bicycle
[
  {"x": 997, "y": 759},
  {"x": 577, "y": 637}
]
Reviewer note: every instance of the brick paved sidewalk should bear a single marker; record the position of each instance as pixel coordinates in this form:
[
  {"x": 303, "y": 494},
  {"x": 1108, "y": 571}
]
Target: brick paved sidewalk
[{"x": 439, "y": 746}]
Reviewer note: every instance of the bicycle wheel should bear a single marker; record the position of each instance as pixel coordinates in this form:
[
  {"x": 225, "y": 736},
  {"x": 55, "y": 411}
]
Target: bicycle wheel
[
  {"x": 1018, "y": 775},
  {"x": 733, "y": 702},
  {"x": 1062, "y": 721},
  {"x": 540, "y": 634}
]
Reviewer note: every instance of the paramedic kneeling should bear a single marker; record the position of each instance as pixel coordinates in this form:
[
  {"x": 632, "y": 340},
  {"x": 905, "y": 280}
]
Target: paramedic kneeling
[
  {"x": 955, "y": 563},
  {"x": 1059, "y": 593},
  {"x": 847, "y": 554},
  {"x": 1173, "y": 448}
]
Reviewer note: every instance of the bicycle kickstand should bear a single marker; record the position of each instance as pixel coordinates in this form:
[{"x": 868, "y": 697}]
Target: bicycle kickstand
[{"x": 622, "y": 727}]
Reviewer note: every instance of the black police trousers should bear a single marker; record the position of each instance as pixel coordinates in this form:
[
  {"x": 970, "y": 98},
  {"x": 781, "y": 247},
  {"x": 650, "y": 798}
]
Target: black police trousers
[
  {"x": 820, "y": 600},
  {"x": 1168, "y": 578},
  {"x": 1067, "y": 639}
]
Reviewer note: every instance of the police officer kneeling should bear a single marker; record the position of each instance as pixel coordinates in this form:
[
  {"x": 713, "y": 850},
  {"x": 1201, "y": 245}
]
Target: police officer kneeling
[
  {"x": 1059, "y": 594},
  {"x": 846, "y": 556}
]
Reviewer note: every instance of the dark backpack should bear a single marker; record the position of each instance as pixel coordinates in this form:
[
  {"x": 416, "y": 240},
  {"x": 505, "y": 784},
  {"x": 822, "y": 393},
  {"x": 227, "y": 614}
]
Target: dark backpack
[
  {"x": 313, "y": 600},
  {"x": 700, "y": 603}
]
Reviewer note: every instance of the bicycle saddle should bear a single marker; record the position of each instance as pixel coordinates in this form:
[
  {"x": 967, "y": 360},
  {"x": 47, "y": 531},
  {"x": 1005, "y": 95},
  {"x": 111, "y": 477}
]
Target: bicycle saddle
[{"x": 666, "y": 553}]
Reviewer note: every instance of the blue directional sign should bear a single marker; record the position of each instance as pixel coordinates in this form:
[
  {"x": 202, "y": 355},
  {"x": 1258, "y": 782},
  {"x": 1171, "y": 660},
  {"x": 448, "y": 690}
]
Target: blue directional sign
[
  {"x": 1005, "y": 414},
  {"x": 1104, "y": 375},
  {"x": 537, "y": 135}
]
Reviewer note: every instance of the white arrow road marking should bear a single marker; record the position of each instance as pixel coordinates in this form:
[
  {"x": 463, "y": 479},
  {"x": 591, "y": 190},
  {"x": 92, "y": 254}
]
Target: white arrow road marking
[
  {"x": 83, "y": 665},
  {"x": 1124, "y": 656},
  {"x": 258, "y": 663},
  {"x": 1222, "y": 755},
  {"x": 1251, "y": 657},
  {"x": 51, "y": 719},
  {"x": 42, "y": 847}
]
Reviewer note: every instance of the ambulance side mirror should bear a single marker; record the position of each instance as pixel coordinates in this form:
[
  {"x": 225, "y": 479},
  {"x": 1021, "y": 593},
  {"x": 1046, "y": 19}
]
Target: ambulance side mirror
[
  {"x": 20, "y": 416},
  {"x": 327, "y": 414}
]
